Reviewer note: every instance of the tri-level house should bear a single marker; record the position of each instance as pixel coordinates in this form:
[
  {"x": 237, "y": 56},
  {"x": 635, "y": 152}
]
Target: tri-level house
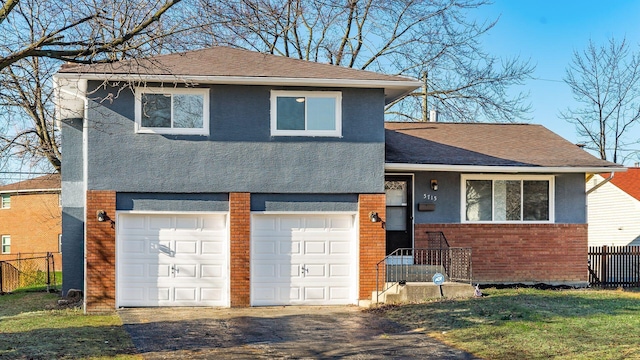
[{"x": 224, "y": 177}]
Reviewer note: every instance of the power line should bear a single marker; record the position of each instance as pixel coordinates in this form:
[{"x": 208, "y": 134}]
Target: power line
[{"x": 549, "y": 80}]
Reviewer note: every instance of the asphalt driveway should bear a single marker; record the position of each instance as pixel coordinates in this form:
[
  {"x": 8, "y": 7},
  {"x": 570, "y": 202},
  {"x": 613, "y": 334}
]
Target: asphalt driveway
[{"x": 276, "y": 333}]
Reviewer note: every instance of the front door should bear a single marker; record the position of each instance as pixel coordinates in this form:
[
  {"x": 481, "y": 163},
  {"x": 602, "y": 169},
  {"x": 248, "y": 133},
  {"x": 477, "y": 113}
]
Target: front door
[{"x": 399, "y": 222}]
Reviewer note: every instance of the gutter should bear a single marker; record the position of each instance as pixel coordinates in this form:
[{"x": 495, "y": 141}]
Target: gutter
[
  {"x": 500, "y": 169},
  {"x": 394, "y": 89},
  {"x": 77, "y": 88},
  {"x": 597, "y": 186},
  {"x": 26, "y": 191}
]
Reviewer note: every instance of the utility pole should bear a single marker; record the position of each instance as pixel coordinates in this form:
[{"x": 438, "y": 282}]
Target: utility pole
[{"x": 425, "y": 110}]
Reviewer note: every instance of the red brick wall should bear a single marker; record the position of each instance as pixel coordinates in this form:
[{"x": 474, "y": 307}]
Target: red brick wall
[
  {"x": 101, "y": 252},
  {"x": 34, "y": 223},
  {"x": 240, "y": 238},
  {"x": 372, "y": 242},
  {"x": 519, "y": 253}
]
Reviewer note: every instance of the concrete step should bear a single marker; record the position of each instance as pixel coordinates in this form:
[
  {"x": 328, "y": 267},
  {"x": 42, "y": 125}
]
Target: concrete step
[{"x": 417, "y": 292}]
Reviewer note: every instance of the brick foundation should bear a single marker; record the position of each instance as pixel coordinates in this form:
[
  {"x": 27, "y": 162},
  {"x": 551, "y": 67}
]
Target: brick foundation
[
  {"x": 240, "y": 239},
  {"x": 372, "y": 242},
  {"x": 519, "y": 253},
  {"x": 100, "y": 293}
]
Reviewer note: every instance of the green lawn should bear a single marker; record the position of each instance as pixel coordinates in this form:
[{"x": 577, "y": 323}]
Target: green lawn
[
  {"x": 532, "y": 324},
  {"x": 28, "y": 331}
]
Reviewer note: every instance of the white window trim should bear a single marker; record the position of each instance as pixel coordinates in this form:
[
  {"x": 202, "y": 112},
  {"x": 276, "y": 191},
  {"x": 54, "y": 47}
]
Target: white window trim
[
  {"x": 171, "y": 91},
  {"x": 3, "y": 244},
  {"x": 337, "y": 95},
  {"x": 2, "y": 203},
  {"x": 463, "y": 197}
]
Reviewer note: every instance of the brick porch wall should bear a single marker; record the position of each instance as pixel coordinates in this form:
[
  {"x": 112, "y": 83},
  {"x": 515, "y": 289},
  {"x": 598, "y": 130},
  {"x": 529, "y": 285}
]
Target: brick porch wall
[
  {"x": 100, "y": 293},
  {"x": 372, "y": 242},
  {"x": 519, "y": 253},
  {"x": 240, "y": 239}
]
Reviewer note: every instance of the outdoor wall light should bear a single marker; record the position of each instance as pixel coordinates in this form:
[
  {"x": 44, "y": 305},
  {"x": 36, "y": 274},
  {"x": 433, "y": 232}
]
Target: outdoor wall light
[
  {"x": 102, "y": 215},
  {"x": 434, "y": 185},
  {"x": 373, "y": 216}
]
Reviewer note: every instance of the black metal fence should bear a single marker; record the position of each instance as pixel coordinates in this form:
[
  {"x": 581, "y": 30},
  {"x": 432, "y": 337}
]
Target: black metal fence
[
  {"x": 28, "y": 272},
  {"x": 614, "y": 266}
]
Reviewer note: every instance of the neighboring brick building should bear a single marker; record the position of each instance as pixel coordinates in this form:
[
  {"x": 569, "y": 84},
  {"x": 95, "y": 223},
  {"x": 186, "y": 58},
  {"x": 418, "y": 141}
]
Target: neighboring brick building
[{"x": 30, "y": 219}]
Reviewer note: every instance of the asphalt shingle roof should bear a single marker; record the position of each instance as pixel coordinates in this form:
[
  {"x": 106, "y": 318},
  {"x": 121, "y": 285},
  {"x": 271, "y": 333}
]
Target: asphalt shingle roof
[
  {"x": 483, "y": 144},
  {"x": 45, "y": 182},
  {"x": 628, "y": 181},
  {"x": 225, "y": 61}
]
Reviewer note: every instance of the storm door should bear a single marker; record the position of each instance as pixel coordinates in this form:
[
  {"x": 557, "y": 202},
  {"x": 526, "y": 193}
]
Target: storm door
[{"x": 399, "y": 222}]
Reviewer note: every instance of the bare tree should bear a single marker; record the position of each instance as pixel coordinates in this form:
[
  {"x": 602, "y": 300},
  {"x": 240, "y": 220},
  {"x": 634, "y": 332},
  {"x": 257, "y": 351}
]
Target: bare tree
[
  {"x": 36, "y": 36},
  {"x": 605, "y": 82},
  {"x": 432, "y": 40}
]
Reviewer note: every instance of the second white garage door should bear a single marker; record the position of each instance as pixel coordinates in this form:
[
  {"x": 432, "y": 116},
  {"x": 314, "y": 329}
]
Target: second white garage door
[
  {"x": 172, "y": 260},
  {"x": 303, "y": 259}
]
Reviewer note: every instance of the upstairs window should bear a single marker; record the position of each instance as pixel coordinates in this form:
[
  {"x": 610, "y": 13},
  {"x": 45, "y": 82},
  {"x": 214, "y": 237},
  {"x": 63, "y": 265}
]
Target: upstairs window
[
  {"x": 506, "y": 199},
  {"x": 306, "y": 113},
  {"x": 6, "y": 244},
  {"x": 172, "y": 111},
  {"x": 6, "y": 201}
]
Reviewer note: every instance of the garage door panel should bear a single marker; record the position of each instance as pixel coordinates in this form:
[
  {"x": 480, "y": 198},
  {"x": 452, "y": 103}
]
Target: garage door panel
[
  {"x": 211, "y": 294},
  {"x": 185, "y": 271},
  {"x": 186, "y": 247},
  {"x": 314, "y": 293},
  {"x": 160, "y": 223},
  {"x": 187, "y": 222},
  {"x": 339, "y": 248},
  {"x": 185, "y": 294},
  {"x": 315, "y": 270},
  {"x": 185, "y": 263},
  {"x": 215, "y": 247},
  {"x": 312, "y": 265},
  {"x": 211, "y": 271},
  {"x": 265, "y": 247},
  {"x": 339, "y": 270},
  {"x": 339, "y": 293},
  {"x": 315, "y": 247},
  {"x": 159, "y": 294}
]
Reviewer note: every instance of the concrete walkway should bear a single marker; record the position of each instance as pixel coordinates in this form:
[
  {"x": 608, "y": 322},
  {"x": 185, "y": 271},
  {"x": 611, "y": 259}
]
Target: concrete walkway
[{"x": 276, "y": 333}]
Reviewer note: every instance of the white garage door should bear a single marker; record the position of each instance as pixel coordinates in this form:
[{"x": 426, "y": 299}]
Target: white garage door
[
  {"x": 172, "y": 260},
  {"x": 303, "y": 259}
]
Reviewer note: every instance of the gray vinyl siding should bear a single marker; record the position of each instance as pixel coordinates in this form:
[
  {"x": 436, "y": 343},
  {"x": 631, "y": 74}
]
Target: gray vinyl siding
[
  {"x": 570, "y": 199},
  {"x": 239, "y": 155}
]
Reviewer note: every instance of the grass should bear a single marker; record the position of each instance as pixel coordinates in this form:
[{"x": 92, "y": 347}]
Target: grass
[
  {"x": 532, "y": 324},
  {"x": 29, "y": 332}
]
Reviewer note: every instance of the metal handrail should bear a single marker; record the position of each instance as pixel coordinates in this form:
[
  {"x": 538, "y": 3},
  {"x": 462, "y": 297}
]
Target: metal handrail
[{"x": 415, "y": 264}]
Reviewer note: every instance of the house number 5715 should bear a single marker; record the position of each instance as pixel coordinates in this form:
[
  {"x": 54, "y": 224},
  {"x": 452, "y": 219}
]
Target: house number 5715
[{"x": 430, "y": 197}]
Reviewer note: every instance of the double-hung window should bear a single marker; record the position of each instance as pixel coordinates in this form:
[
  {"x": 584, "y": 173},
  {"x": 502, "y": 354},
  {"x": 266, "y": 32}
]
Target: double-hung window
[
  {"x": 306, "y": 113},
  {"x": 505, "y": 198},
  {"x": 6, "y": 201},
  {"x": 6, "y": 244},
  {"x": 172, "y": 111}
]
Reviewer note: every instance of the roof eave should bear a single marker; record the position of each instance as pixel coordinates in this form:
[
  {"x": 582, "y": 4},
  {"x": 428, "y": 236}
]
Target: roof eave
[
  {"x": 502, "y": 169},
  {"x": 22, "y": 191},
  {"x": 393, "y": 89}
]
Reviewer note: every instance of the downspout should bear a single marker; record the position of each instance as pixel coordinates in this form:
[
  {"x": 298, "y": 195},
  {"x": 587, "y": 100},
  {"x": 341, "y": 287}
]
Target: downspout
[{"x": 597, "y": 186}]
